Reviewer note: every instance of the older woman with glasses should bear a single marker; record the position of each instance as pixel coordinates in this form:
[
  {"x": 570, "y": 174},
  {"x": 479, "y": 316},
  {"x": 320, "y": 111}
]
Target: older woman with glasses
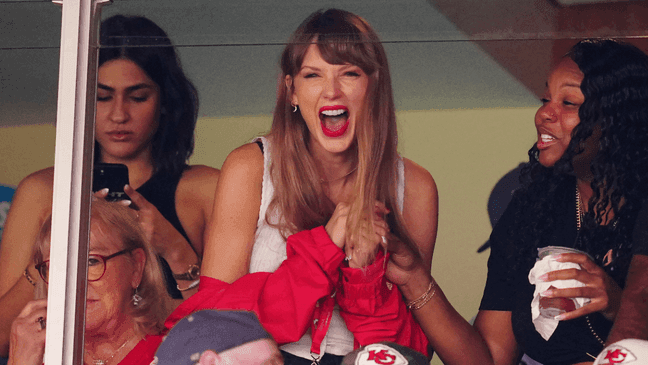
[{"x": 126, "y": 299}]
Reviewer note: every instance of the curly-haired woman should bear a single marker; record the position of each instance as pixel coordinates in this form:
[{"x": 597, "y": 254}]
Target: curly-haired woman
[{"x": 584, "y": 187}]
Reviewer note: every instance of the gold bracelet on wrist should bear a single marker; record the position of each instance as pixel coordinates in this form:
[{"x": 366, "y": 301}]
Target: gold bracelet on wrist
[
  {"x": 29, "y": 278},
  {"x": 419, "y": 302}
]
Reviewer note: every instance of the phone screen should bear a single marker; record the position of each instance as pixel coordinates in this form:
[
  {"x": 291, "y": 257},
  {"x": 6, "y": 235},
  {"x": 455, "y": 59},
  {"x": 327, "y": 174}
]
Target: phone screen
[{"x": 111, "y": 176}]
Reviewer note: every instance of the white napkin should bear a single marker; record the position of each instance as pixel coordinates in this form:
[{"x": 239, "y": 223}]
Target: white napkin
[{"x": 546, "y": 326}]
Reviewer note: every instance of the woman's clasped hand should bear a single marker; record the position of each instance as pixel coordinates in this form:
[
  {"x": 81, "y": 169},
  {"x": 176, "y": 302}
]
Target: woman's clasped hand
[{"x": 371, "y": 236}]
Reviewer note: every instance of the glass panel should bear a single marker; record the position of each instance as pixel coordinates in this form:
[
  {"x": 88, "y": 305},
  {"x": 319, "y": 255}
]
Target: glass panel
[
  {"x": 466, "y": 76},
  {"x": 29, "y": 56},
  {"x": 29, "y": 59},
  {"x": 262, "y": 22}
]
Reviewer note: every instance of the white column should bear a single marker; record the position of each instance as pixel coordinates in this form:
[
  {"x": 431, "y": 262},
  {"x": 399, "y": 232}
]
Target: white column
[{"x": 72, "y": 181}]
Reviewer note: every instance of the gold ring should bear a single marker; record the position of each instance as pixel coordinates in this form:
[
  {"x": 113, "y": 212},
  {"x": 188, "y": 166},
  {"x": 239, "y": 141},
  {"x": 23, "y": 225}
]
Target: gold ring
[{"x": 42, "y": 322}]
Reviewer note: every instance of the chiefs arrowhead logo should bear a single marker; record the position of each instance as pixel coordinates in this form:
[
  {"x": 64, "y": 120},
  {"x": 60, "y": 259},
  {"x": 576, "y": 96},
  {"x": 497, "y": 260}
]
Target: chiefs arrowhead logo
[
  {"x": 616, "y": 355},
  {"x": 379, "y": 354}
]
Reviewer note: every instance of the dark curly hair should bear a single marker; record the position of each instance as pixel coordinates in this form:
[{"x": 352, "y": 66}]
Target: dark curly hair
[
  {"x": 615, "y": 86},
  {"x": 140, "y": 40}
]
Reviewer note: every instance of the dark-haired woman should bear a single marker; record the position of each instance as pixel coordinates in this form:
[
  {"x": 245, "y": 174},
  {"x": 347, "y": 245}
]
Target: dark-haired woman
[
  {"x": 146, "y": 115},
  {"x": 331, "y": 152},
  {"x": 584, "y": 187}
]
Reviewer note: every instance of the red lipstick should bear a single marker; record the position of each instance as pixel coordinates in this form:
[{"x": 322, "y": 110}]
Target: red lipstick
[{"x": 334, "y": 128}]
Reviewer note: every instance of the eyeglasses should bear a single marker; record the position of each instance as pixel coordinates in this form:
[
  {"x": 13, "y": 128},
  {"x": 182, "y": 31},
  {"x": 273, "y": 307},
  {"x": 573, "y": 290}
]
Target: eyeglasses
[{"x": 96, "y": 266}]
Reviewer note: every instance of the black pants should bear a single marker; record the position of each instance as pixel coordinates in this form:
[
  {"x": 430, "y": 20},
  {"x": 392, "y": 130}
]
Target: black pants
[{"x": 327, "y": 359}]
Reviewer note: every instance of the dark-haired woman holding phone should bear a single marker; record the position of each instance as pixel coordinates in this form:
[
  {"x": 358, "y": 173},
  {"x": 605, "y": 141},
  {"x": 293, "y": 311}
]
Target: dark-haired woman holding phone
[{"x": 146, "y": 116}]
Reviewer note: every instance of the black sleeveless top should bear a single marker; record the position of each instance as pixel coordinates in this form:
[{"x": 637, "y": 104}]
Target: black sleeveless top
[{"x": 160, "y": 190}]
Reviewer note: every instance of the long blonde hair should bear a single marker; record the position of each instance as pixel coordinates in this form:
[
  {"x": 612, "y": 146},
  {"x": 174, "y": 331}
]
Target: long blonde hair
[{"x": 341, "y": 37}]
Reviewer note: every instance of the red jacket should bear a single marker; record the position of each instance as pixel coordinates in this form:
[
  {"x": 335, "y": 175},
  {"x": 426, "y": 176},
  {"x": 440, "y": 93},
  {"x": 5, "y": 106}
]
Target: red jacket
[
  {"x": 374, "y": 311},
  {"x": 303, "y": 291}
]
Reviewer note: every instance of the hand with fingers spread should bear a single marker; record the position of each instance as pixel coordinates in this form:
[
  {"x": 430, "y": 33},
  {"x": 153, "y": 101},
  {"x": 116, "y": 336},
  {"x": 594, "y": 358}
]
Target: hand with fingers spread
[
  {"x": 604, "y": 293},
  {"x": 27, "y": 341}
]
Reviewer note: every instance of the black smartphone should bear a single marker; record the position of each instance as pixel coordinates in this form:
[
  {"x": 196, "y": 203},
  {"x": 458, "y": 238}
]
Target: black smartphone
[{"x": 112, "y": 176}]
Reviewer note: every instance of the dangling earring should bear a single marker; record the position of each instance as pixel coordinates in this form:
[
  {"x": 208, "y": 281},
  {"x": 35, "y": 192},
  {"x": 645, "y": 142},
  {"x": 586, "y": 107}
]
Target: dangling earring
[
  {"x": 136, "y": 298},
  {"x": 295, "y": 107}
]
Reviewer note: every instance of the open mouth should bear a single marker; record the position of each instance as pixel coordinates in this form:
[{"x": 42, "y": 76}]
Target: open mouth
[
  {"x": 334, "y": 120},
  {"x": 545, "y": 140}
]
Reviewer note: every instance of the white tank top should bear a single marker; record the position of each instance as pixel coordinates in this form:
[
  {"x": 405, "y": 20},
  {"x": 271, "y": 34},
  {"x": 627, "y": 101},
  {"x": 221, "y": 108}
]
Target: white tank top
[{"x": 269, "y": 251}]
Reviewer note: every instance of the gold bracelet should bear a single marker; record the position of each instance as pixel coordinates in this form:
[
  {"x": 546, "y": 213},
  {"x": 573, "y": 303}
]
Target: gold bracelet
[
  {"x": 419, "y": 302},
  {"x": 28, "y": 277}
]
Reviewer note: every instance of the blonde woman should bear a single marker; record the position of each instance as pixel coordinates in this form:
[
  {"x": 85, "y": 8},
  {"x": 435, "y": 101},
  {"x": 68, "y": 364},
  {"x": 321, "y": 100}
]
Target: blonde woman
[{"x": 329, "y": 160}]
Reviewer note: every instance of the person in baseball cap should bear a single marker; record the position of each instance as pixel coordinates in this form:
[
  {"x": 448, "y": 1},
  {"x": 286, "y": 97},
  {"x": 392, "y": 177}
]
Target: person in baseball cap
[{"x": 215, "y": 337}]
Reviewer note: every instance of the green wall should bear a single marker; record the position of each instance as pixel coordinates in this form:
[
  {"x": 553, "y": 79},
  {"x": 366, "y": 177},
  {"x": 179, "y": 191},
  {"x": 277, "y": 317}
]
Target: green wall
[{"x": 467, "y": 152}]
